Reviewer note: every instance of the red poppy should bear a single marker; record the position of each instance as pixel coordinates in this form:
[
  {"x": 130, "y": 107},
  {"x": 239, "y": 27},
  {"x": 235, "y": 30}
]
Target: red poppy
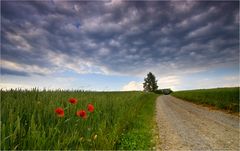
[
  {"x": 82, "y": 113},
  {"x": 60, "y": 112},
  {"x": 73, "y": 100},
  {"x": 90, "y": 108}
]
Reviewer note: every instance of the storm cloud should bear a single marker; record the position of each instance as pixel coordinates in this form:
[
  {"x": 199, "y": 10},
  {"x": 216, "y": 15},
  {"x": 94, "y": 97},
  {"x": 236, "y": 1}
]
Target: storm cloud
[{"x": 118, "y": 37}]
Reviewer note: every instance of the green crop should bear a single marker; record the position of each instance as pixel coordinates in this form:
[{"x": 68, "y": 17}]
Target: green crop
[
  {"x": 222, "y": 98},
  {"x": 120, "y": 120}
]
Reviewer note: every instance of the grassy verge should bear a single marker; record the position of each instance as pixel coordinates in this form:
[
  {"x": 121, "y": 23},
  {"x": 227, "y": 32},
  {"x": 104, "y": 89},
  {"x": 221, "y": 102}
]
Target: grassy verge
[
  {"x": 120, "y": 120},
  {"x": 222, "y": 98},
  {"x": 139, "y": 134}
]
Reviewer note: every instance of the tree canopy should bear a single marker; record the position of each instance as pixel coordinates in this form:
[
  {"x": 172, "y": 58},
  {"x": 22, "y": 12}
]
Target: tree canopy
[{"x": 150, "y": 83}]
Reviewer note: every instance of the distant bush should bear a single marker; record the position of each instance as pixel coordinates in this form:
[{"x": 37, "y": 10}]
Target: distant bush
[
  {"x": 158, "y": 92},
  {"x": 163, "y": 91}
]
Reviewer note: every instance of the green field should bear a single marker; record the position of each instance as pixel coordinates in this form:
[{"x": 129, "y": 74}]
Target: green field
[
  {"x": 121, "y": 120},
  {"x": 222, "y": 98}
]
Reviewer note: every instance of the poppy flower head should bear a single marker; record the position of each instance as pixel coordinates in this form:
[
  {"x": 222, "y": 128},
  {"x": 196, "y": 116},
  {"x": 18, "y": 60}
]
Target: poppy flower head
[
  {"x": 90, "y": 108},
  {"x": 60, "y": 112},
  {"x": 73, "y": 100},
  {"x": 82, "y": 113}
]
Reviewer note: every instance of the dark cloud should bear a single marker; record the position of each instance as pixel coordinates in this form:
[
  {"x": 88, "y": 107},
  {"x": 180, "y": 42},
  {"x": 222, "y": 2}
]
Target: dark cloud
[
  {"x": 119, "y": 37},
  {"x": 5, "y": 71}
]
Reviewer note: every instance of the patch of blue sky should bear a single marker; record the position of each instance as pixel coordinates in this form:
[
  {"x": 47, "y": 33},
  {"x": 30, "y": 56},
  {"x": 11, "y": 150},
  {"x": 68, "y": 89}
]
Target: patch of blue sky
[
  {"x": 218, "y": 77},
  {"x": 100, "y": 82}
]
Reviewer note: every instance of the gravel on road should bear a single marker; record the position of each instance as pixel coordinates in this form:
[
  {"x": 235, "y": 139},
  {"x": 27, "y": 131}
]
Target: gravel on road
[{"x": 186, "y": 126}]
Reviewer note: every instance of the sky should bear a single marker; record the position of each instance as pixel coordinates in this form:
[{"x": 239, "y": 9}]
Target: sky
[{"x": 112, "y": 45}]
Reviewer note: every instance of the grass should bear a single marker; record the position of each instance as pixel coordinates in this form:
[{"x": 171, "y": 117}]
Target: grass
[
  {"x": 121, "y": 120},
  {"x": 222, "y": 98}
]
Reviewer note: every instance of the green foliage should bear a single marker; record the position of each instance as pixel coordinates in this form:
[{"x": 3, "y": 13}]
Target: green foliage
[
  {"x": 28, "y": 120},
  {"x": 137, "y": 134},
  {"x": 150, "y": 83},
  {"x": 163, "y": 91},
  {"x": 158, "y": 92},
  {"x": 222, "y": 98}
]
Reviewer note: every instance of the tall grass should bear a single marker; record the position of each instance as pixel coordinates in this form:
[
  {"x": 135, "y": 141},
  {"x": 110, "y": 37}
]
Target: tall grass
[
  {"x": 120, "y": 120},
  {"x": 222, "y": 98}
]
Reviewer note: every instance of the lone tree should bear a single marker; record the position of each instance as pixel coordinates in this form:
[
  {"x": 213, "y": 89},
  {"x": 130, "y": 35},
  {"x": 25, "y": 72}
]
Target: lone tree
[{"x": 150, "y": 83}]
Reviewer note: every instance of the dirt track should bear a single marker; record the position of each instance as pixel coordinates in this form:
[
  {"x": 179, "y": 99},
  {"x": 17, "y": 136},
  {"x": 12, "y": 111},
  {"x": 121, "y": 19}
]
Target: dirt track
[{"x": 186, "y": 126}]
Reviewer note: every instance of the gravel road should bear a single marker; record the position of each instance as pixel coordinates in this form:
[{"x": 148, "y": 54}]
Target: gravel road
[{"x": 187, "y": 126}]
